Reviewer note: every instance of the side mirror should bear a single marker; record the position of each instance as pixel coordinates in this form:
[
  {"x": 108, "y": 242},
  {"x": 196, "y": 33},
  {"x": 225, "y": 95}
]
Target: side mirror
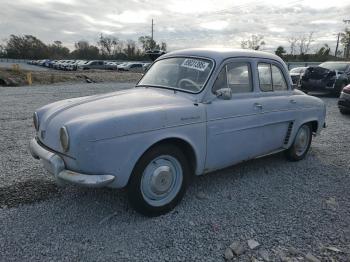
[{"x": 224, "y": 93}]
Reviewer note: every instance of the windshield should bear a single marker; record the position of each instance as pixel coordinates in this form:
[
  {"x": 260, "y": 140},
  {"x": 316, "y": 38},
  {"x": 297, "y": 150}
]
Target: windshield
[
  {"x": 181, "y": 73},
  {"x": 334, "y": 66}
]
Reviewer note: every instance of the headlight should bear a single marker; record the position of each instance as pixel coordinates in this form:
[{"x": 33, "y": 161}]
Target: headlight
[
  {"x": 64, "y": 138},
  {"x": 36, "y": 121}
]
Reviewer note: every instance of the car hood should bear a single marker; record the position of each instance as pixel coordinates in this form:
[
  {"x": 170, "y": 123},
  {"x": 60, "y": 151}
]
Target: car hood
[{"x": 116, "y": 114}]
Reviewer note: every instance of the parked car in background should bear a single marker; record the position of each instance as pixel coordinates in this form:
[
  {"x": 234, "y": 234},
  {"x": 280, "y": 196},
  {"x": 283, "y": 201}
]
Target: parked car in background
[
  {"x": 296, "y": 74},
  {"x": 94, "y": 64},
  {"x": 145, "y": 66},
  {"x": 329, "y": 76},
  {"x": 344, "y": 100},
  {"x": 130, "y": 66},
  {"x": 193, "y": 112},
  {"x": 111, "y": 65}
]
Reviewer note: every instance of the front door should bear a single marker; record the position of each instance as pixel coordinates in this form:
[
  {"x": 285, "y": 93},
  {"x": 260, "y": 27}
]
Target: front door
[{"x": 234, "y": 125}]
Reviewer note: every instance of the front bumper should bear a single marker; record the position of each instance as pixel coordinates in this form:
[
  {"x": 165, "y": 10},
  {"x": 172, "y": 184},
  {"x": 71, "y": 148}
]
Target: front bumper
[{"x": 55, "y": 165}]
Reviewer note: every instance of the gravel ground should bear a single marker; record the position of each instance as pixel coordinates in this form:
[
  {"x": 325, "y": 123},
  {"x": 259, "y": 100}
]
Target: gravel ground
[{"x": 291, "y": 209}]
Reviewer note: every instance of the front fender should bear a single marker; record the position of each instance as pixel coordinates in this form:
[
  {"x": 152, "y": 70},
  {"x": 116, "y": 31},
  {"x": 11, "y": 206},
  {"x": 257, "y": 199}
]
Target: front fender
[{"x": 118, "y": 156}]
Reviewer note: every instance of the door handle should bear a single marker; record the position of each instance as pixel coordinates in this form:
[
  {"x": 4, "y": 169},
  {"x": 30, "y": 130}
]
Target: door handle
[
  {"x": 293, "y": 101},
  {"x": 257, "y": 105}
]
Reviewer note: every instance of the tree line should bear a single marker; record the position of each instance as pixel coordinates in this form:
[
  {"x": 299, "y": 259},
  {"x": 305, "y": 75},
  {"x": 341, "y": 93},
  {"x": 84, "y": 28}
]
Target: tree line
[
  {"x": 30, "y": 47},
  {"x": 300, "y": 48}
]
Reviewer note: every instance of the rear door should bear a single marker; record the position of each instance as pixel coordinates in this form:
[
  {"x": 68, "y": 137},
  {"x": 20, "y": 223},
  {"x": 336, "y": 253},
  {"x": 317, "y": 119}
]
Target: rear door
[
  {"x": 278, "y": 105},
  {"x": 234, "y": 125}
]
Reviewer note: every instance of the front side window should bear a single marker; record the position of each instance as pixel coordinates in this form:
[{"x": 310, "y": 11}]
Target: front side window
[
  {"x": 236, "y": 76},
  {"x": 265, "y": 79},
  {"x": 180, "y": 73},
  {"x": 239, "y": 78}
]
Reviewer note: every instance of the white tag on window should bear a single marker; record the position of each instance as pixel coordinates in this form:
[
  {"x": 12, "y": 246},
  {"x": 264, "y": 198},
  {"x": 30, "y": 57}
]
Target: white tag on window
[{"x": 195, "y": 64}]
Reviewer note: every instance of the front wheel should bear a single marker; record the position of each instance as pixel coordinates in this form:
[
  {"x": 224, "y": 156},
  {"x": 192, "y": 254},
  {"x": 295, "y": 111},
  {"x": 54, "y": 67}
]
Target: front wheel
[
  {"x": 301, "y": 144},
  {"x": 159, "y": 180}
]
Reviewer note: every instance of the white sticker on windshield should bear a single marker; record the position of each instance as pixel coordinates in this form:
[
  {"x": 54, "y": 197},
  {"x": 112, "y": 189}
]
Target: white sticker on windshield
[{"x": 195, "y": 64}]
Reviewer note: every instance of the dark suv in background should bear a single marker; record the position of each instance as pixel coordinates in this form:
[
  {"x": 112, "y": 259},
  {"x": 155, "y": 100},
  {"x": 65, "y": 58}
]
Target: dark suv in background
[{"x": 329, "y": 76}]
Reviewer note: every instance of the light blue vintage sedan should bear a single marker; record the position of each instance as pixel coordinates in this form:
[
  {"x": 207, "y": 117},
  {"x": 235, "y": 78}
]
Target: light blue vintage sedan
[{"x": 193, "y": 112}]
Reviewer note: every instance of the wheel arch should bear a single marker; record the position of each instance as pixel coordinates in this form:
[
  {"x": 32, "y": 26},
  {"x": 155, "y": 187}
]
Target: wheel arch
[{"x": 183, "y": 144}]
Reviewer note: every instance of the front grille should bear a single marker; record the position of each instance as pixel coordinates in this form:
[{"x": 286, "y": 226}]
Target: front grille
[{"x": 289, "y": 131}]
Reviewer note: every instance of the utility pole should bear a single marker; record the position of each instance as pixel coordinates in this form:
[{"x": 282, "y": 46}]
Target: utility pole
[
  {"x": 336, "y": 48},
  {"x": 152, "y": 31}
]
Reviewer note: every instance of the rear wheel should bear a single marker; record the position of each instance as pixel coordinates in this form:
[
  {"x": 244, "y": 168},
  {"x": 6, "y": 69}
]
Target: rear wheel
[
  {"x": 159, "y": 180},
  {"x": 301, "y": 143}
]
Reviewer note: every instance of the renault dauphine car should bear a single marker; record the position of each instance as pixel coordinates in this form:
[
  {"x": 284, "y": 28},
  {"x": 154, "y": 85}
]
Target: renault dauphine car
[{"x": 193, "y": 112}]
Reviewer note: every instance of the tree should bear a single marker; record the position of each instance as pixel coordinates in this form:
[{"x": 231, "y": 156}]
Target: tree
[
  {"x": 148, "y": 43},
  {"x": 83, "y": 50},
  {"x": 345, "y": 41},
  {"x": 25, "y": 47},
  {"x": 107, "y": 45},
  {"x": 130, "y": 49},
  {"x": 255, "y": 42},
  {"x": 280, "y": 51},
  {"x": 304, "y": 42},
  {"x": 163, "y": 46},
  {"x": 293, "y": 43},
  {"x": 57, "y": 51},
  {"x": 2, "y": 51},
  {"x": 323, "y": 51}
]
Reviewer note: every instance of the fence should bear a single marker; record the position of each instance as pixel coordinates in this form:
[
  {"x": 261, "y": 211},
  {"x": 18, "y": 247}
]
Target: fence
[
  {"x": 292, "y": 65},
  {"x": 10, "y": 60},
  {"x": 289, "y": 64}
]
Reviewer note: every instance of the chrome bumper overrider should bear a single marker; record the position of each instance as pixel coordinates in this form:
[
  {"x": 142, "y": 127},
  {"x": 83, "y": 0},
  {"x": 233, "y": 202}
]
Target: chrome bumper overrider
[{"x": 55, "y": 165}]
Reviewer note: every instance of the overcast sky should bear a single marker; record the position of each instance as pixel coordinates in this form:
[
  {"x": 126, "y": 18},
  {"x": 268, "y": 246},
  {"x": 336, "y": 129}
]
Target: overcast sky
[{"x": 180, "y": 23}]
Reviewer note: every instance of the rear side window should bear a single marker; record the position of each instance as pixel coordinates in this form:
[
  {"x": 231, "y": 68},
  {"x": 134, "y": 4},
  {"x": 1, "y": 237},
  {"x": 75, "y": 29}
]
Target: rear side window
[
  {"x": 278, "y": 81},
  {"x": 236, "y": 76},
  {"x": 265, "y": 78}
]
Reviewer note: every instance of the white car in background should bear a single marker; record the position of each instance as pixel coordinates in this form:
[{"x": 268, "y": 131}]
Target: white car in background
[{"x": 130, "y": 66}]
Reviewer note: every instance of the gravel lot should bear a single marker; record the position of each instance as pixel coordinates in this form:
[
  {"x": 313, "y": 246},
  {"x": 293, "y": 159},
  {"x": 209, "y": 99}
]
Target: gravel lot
[{"x": 291, "y": 209}]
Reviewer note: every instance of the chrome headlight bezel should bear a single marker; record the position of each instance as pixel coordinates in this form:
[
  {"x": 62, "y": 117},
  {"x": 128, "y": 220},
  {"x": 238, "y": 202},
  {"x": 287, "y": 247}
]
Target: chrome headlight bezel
[
  {"x": 36, "y": 122},
  {"x": 64, "y": 138}
]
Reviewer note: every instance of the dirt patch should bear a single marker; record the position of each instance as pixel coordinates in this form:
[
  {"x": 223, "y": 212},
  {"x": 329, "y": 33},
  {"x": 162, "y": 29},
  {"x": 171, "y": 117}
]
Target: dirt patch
[
  {"x": 10, "y": 77},
  {"x": 27, "y": 192}
]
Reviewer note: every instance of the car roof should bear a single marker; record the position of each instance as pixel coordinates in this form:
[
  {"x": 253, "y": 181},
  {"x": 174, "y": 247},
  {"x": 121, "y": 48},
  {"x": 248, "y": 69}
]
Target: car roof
[{"x": 220, "y": 54}]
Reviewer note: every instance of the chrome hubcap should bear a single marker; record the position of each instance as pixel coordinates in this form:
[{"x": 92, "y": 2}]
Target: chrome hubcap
[
  {"x": 161, "y": 180},
  {"x": 302, "y": 140}
]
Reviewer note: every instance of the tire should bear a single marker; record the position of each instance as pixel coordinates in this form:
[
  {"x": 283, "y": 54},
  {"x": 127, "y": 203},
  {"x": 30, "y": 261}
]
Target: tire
[
  {"x": 159, "y": 180},
  {"x": 301, "y": 144}
]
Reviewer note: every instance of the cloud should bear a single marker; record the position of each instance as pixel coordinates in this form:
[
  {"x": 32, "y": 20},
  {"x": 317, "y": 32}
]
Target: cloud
[
  {"x": 215, "y": 25},
  {"x": 133, "y": 17},
  {"x": 180, "y": 23}
]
